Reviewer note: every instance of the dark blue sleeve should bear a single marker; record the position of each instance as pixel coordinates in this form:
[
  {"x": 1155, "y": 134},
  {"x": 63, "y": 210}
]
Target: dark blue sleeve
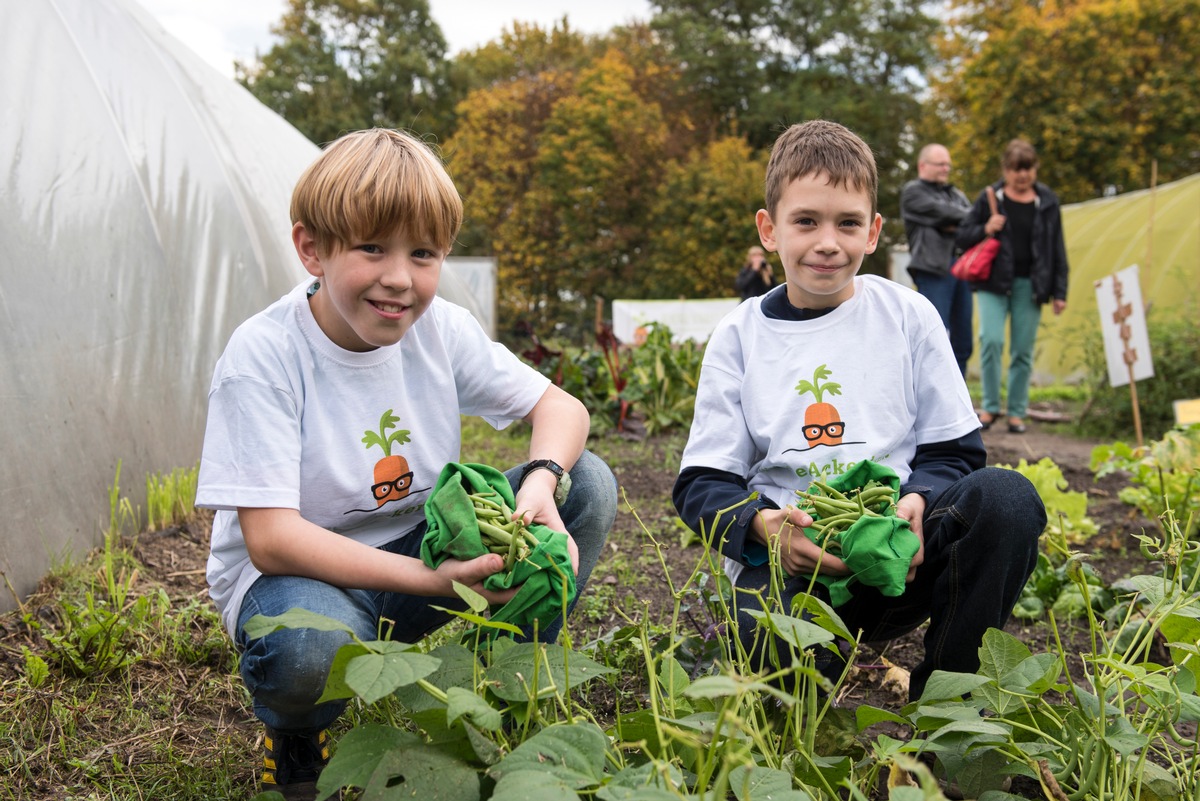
[
  {"x": 937, "y": 465},
  {"x": 705, "y": 499}
]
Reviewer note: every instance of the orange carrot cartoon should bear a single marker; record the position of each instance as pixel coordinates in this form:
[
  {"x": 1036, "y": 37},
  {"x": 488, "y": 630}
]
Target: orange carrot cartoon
[
  {"x": 393, "y": 479},
  {"x": 822, "y": 423}
]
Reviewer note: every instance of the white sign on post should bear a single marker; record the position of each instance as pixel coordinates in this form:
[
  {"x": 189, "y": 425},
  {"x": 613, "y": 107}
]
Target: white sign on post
[{"x": 1123, "y": 324}]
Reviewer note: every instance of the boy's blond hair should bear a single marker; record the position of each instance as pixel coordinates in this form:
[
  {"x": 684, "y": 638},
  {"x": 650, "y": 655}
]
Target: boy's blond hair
[
  {"x": 816, "y": 147},
  {"x": 373, "y": 184}
]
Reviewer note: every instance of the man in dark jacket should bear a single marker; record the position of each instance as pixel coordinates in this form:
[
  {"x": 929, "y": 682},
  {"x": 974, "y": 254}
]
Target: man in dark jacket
[{"x": 932, "y": 208}]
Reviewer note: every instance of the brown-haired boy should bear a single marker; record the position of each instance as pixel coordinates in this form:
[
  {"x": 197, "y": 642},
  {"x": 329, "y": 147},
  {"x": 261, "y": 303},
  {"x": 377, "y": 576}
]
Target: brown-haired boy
[
  {"x": 331, "y": 415},
  {"x": 832, "y": 369}
]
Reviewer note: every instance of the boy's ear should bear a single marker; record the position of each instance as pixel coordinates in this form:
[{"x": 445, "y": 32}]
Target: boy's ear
[
  {"x": 306, "y": 249},
  {"x": 876, "y": 227},
  {"x": 766, "y": 229}
]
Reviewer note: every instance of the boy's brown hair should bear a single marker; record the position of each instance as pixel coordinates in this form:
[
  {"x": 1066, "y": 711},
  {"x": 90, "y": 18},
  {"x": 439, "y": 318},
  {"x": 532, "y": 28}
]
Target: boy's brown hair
[
  {"x": 372, "y": 184},
  {"x": 820, "y": 146}
]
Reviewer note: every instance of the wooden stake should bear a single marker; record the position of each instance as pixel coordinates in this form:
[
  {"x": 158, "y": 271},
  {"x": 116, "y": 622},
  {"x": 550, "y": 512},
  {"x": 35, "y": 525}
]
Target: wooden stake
[{"x": 1137, "y": 415}]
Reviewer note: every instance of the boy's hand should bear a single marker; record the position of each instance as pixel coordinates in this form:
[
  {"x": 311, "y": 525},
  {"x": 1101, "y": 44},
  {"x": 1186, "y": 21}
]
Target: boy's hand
[
  {"x": 781, "y": 529},
  {"x": 535, "y": 504},
  {"x": 912, "y": 508},
  {"x": 472, "y": 573}
]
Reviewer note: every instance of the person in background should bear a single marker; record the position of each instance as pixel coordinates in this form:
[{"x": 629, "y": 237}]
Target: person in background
[
  {"x": 313, "y": 514},
  {"x": 1030, "y": 271},
  {"x": 932, "y": 208},
  {"x": 755, "y": 277},
  {"x": 829, "y": 370}
]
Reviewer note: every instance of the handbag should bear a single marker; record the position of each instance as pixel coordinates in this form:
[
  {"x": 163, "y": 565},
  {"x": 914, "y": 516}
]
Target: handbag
[{"x": 975, "y": 264}]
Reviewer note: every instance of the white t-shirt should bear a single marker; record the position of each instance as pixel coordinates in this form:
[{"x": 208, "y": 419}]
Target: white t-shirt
[
  {"x": 296, "y": 422},
  {"x": 880, "y": 365}
]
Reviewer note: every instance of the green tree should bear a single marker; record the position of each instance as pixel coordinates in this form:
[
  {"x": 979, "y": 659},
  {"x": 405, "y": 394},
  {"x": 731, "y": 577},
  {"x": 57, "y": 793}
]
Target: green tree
[
  {"x": 342, "y": 65},
  {"x": 762, "y": 65},
  {"x": 1100, "y": 87}
]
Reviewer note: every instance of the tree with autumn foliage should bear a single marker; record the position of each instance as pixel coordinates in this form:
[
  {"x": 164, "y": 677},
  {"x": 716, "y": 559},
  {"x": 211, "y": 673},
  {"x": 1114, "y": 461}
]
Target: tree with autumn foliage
[
  {"x": 704, "y": 220},
  {"x": 1102, "y": 88}
]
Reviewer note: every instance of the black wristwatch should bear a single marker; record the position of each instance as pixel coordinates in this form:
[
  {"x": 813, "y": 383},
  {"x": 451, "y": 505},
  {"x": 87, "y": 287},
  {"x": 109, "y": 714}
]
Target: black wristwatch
[{"x": 562, "y": 477}]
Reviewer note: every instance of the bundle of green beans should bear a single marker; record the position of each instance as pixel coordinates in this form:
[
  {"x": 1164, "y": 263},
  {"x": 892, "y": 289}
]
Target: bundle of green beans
[
  {"x": 498, "y": 531},
  {"x": 834, "y": 511}
]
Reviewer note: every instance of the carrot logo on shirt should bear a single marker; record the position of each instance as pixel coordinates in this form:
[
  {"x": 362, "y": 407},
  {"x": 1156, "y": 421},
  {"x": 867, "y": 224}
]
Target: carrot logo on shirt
[
  {"x": 393, "y": 479},
  {"x": 822, "y": 422}
]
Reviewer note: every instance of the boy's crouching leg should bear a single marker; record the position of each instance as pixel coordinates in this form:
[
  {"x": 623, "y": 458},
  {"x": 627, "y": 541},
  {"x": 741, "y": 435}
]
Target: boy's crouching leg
[
  {"x": 589, "y": 511},
  {"x": 286, "y": 671},
  {"x": 981, "y": 546}
]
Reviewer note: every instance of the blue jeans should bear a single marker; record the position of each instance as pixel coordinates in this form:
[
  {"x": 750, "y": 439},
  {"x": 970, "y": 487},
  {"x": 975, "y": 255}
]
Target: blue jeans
[
  {"x": 981, "y": 545},
  {"x": 1023, "y": 315},
  {"x": 952, "y": 298},
  {"x": 286, "y": 671}
]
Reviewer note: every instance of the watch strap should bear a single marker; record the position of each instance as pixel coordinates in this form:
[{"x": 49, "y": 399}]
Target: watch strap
[{"x": 562, "y": 479}]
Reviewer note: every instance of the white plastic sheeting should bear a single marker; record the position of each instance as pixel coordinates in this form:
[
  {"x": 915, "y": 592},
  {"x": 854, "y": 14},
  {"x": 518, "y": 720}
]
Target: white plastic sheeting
[
  {"x": 143, "y": 216},
  {"x": 689, "y": 318}
]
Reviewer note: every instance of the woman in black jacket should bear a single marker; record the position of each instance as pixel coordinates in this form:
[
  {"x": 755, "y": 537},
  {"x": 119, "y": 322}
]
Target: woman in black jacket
[{"x": 1030, "y": 270}]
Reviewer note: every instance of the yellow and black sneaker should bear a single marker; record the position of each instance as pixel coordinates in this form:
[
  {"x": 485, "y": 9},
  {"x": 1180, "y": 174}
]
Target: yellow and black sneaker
[{"x": 292, "y": 763}]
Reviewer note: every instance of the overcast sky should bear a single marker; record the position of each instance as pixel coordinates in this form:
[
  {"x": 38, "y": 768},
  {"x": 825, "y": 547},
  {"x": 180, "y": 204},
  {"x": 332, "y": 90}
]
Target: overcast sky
[{"x": 224, "y": 30}]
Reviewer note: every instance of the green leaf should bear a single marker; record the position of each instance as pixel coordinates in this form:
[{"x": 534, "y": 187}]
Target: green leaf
[
  {"x": 799, "y": 633},
  {"x": 645, "y": 776},
  {"x": 619, "y": 793},
  {"x": 822, "y": 614},
  {"x": 336, "y": 686},
  {"x": 572, "y": 752},
  {"x": 1185, "y": 632},
  {"x": 944, "y": 685},
  {"x": 866, "y": 716},
  {"x": 377, "y": 675},
  {"x": 1000, "y": 653},
  {"x": 294, "y": 618},
  {"x": 672, "y": 677},
  {"x": 1036, "y": 674},
  {"x": 462, "y": 702},
  {"x": 832, "y": 770},
  {"x": 473, "y": 600},
  {"x": 533, "y": 785},
  {"x": 725, "y": 686},
  {"x": 749, "y": 783},
  {"x": 1124, "y": 738},
  {"x": 359, "y": 755},
  {"x": 456, "y": 668},
  {"x": 560, "y": 670}
]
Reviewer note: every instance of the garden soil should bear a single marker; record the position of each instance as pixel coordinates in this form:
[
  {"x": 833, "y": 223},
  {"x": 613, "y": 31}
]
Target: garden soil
[{"x": 629, "y": 586}]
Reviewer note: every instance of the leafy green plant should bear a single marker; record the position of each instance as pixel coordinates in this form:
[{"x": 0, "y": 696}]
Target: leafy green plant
[
  {"x": 171, "y": 497},
  {"x": 1116, "y": 730},
  {"x": 655, "y": 380},
  {"x": 1166, "y": 475},
  {"x": 663, "y": 376},
  {"x": 1174, "y": 343}
]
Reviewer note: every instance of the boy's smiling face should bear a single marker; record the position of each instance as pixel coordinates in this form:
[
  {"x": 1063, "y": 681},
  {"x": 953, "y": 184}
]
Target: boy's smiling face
[
  {"x": 371, "y": 291},
  {"x": 822, "y": 233}
]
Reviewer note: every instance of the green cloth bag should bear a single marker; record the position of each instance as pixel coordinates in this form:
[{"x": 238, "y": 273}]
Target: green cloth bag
[
  {"x": 878, "y": 550},
  {"x": 545, "y": 578}
]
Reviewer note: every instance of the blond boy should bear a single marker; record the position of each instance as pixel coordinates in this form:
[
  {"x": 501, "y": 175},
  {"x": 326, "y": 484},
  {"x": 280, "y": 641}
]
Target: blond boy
[{"x": 331, "y": 414}]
